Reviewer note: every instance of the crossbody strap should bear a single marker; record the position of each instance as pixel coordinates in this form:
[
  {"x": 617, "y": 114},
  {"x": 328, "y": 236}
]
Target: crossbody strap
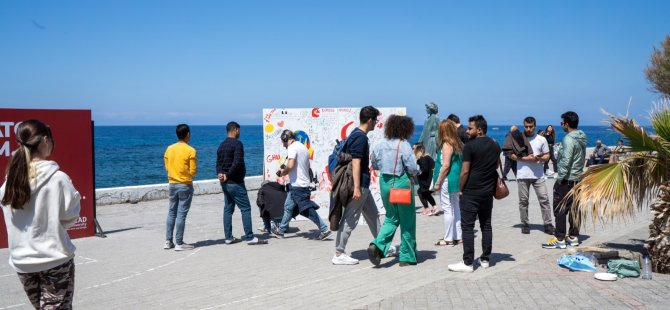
[{"x": 396, "y": 165}]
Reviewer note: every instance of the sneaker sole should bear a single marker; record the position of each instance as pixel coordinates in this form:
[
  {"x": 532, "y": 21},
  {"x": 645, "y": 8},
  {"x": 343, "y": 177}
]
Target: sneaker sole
[
  {"x": 553, "y": 247},
  {"x": 373, "y": 254},
  {"x": 325, "y": 236},
  {"x": 462, "y": 270}
]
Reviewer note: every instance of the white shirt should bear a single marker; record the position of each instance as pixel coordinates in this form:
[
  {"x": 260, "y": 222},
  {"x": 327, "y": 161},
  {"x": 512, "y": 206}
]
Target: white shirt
[
  {"x": 533, "y": 169},
  {"x": 299, "y": 175}
]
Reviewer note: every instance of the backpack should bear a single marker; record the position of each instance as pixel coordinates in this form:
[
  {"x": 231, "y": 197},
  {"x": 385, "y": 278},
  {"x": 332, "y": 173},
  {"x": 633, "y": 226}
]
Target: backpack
[
  {"x": 333, "y": 161},
  {"x": 333, "y": 158}
]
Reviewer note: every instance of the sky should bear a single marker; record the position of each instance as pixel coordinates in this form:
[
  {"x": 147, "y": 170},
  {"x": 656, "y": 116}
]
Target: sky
[{"x": 211, "y": 62}]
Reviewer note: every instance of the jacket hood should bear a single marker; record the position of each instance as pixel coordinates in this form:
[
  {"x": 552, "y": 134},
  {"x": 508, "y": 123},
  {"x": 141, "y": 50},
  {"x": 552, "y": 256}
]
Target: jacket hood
[
  {"x": 579, "y": 136},
  {"x": 40, "y": 172}
]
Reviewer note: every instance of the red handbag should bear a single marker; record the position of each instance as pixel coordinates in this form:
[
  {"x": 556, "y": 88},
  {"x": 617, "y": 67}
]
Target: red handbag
[{"x": 401, "y": 196}]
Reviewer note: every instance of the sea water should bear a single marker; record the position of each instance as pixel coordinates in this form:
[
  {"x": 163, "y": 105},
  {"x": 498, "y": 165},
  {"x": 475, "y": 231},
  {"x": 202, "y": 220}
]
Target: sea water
[{"x": 133, "y": 155}]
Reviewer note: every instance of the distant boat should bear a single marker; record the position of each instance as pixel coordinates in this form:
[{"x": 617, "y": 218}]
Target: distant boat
[{"x": 495, "y": 128}]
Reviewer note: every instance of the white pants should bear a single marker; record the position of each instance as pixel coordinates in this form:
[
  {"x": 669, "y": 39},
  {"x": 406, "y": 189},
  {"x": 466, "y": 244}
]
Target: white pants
[{"x": 452, "y": 213}]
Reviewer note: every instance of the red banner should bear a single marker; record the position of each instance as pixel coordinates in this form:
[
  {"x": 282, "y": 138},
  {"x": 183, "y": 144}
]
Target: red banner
[{"x": 73, "y": 151}]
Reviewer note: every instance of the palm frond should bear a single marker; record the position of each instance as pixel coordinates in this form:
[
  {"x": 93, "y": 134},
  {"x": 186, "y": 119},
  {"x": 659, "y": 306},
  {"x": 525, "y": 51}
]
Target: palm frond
[
  {"x": 637, "y": 138},
  {"x": 660, "y": 119},
  {"x": 617, "y": 190}
]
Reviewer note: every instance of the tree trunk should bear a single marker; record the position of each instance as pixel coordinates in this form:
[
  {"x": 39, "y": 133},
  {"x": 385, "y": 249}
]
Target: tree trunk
[{"x": 658, "y": 243}]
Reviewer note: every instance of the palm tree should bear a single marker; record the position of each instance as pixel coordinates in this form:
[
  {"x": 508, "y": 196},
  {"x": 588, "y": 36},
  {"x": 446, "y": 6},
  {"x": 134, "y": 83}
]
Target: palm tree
[{"x": 619, "y": 190}]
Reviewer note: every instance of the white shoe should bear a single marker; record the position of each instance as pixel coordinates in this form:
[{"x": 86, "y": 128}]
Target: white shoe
[
  {"x": 183, "y": 247},
  {"x": 344, "y": 259},
  {"x": 393, "y": 251},
  {"x": 460, "y": 267},
  {"x": 168, "y": 245},
  {"x": 483, "y": 263}
]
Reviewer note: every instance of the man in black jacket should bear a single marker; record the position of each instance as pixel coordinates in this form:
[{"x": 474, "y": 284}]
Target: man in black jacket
[{"x": 231, "y": 171}]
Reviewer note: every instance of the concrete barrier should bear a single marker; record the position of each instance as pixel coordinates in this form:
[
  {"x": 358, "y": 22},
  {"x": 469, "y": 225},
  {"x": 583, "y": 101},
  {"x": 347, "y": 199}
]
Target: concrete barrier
[{"x": 135, "y": 194}]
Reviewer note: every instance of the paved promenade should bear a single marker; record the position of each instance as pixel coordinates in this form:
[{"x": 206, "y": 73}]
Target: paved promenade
[{"x": 130, "y": 270}]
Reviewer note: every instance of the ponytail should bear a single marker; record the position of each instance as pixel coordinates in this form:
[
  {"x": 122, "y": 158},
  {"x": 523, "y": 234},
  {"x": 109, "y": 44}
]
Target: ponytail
[{"x": 17, "y": 188}]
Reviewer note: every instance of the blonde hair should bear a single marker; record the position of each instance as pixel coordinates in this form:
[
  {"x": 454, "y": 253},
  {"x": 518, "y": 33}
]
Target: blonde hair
[{"x": 447, "y": 133}]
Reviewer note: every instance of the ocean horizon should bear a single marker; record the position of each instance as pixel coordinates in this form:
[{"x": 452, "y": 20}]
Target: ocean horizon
[{"x": 133, "y": 155}]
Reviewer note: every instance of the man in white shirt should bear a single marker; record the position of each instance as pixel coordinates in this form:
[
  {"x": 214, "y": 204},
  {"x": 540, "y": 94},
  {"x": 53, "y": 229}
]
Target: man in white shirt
[
  {"x": 297, "y": 169},
  {"x": 530, "y": 171}
]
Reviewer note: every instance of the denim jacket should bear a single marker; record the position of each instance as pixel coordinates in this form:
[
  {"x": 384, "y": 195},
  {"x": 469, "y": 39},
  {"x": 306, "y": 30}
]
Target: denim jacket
[{"x": 384, "y": 157}]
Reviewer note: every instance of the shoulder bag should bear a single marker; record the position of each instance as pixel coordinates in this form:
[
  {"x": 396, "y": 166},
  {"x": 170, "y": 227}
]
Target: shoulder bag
[
  {"x": 401, "y": 196},
  {"x": 501, "y": 188}
]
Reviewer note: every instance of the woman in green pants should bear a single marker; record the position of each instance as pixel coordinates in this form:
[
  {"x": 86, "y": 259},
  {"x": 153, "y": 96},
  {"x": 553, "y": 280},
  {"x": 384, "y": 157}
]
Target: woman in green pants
[{"x": 394, "y": 159}]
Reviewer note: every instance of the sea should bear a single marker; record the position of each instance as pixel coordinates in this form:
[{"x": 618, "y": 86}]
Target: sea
[{"x": 133, "y": 155}]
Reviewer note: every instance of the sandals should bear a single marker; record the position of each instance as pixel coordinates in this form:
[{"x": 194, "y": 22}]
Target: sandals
[
  {"x": 427, "y": 212},
  {"x": 436, "y": 212},
  {"x": 442, "y": 242}
]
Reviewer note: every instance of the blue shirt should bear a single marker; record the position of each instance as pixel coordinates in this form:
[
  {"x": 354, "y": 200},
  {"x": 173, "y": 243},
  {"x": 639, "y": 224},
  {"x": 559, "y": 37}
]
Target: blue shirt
[{"x": 384, "y": 157}]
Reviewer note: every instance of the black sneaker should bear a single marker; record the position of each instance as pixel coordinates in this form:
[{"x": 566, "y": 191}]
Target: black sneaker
[
  {"x": 275, "y": 231},
  {"x": 525, "y": 229},
  {"x": 405, "y": 264},
  {"x": 374, "y": 254},
  {"x": 549, "y": 229}
]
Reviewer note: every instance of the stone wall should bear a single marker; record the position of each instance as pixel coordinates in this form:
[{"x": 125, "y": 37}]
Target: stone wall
[{"x": 135, "y": 194}]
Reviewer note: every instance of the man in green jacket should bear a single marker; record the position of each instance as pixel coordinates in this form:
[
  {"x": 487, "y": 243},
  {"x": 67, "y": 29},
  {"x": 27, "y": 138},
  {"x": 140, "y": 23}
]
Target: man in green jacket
[{"x": 570, "y": 167}]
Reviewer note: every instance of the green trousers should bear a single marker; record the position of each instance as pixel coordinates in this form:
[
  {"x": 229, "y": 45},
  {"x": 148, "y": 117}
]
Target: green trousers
[{"x": 397, "y": 215}]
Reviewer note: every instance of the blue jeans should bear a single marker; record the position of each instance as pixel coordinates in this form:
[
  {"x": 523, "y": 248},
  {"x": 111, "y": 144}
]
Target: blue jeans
[
  {"x": 178, "y": 206},
  {"x": 236, "y": 194},
  {"x": 592, "y": 159},
  {"x": 310, "y": 213}
]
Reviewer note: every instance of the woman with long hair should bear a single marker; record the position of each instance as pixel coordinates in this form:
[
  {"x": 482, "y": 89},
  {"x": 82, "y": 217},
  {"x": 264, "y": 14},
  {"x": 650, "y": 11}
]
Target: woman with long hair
[
  {"x": 446, "y": 181},
  {"x": 550, "y": 135},
  {"x": 39, "y": 203},
  {"x": 395, "y": 160}
]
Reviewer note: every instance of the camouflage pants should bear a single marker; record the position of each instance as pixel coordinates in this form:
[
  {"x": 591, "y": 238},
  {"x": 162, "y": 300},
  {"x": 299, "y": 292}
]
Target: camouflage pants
[{"x": 50, "y": 289}]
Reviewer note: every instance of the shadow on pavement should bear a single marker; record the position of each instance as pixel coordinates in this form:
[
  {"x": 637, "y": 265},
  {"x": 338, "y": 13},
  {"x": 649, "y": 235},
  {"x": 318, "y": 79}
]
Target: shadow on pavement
[
  {"x": 122, "y": 229},
  {"x": 421, "y": 256},
  {"x": 204, "y": 243},
  {"x": 500, "y": 257},
  {"x": 635, "y": 245}
]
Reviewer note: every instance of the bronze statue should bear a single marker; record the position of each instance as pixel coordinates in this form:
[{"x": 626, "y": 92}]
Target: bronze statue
[{"x": 429, "y": 133}]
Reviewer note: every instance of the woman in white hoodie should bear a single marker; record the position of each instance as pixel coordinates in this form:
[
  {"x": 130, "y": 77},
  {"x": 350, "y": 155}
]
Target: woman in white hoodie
[{"x": 39, "y": 203}]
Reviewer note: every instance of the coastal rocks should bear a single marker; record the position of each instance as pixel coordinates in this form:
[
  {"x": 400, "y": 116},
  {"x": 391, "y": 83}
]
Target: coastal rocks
[{"x": 135, "y": 194}]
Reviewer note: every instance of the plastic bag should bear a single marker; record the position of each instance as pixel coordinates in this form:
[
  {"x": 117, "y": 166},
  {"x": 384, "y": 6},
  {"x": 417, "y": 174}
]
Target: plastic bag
[
  {"x": 577, "y": 262},
  {"x": 624, "y": 268}
]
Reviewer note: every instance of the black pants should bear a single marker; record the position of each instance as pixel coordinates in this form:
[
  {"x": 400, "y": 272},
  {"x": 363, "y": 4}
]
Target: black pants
[
  {"x": 552, "y": 159},
  {"x": 425, "y": 196},
  {"x": 473, "y": 207},
  {"x": 509, "y": 164},
  {"x": 560, "y": 190}
]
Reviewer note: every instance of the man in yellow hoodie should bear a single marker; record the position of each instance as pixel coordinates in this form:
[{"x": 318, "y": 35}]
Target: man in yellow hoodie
[{"x": 180, "y": 163}]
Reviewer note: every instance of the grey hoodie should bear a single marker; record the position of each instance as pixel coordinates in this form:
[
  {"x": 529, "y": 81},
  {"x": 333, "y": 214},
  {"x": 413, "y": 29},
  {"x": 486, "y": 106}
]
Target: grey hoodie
[
  {"x": 37, "y": 234},
  {"x": 572, "y": 156}
]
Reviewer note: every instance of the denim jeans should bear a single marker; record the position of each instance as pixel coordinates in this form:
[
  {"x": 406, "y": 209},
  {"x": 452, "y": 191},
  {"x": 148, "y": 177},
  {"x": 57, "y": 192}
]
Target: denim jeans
[
  {"x": 310, "y": 213},
  {"x": 178, "y": 206},
  {"x": 236, "y": 194},
  {"x": 600, "y": 159},
  {"x": 473, "y": 207}
]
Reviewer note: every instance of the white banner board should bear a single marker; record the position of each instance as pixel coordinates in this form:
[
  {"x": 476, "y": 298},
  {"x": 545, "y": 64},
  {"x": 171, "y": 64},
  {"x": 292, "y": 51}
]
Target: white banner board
[{"x": 318, "y": 129}]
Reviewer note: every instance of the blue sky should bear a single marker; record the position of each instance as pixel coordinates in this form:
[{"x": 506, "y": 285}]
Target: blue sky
[{"x": 210, "y": 62}]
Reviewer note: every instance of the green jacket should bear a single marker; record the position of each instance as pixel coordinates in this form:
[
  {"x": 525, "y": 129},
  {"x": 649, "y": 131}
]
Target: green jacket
[{"x": 572, "y": 156}]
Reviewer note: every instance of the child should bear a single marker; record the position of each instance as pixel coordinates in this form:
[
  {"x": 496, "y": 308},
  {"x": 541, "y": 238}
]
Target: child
[{"x": 426, "y": 166}]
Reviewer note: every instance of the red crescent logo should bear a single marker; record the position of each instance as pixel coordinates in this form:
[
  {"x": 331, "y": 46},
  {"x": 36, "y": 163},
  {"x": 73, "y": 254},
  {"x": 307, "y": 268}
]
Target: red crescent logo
[
  {"x": 343, "y": 133},
  {"x": 316, "y": 112}
]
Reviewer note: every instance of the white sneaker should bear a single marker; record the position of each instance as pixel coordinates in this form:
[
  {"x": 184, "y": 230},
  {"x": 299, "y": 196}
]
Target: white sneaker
[
  {"x": 460, "y": 267},
  {"x": 344, "y": 259},
  {"x": 483, "y": 263},
  {"x": 183, "y": 247},
  {"x": 168, "y": 245},
  {"x": 393, "y": 251}
]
